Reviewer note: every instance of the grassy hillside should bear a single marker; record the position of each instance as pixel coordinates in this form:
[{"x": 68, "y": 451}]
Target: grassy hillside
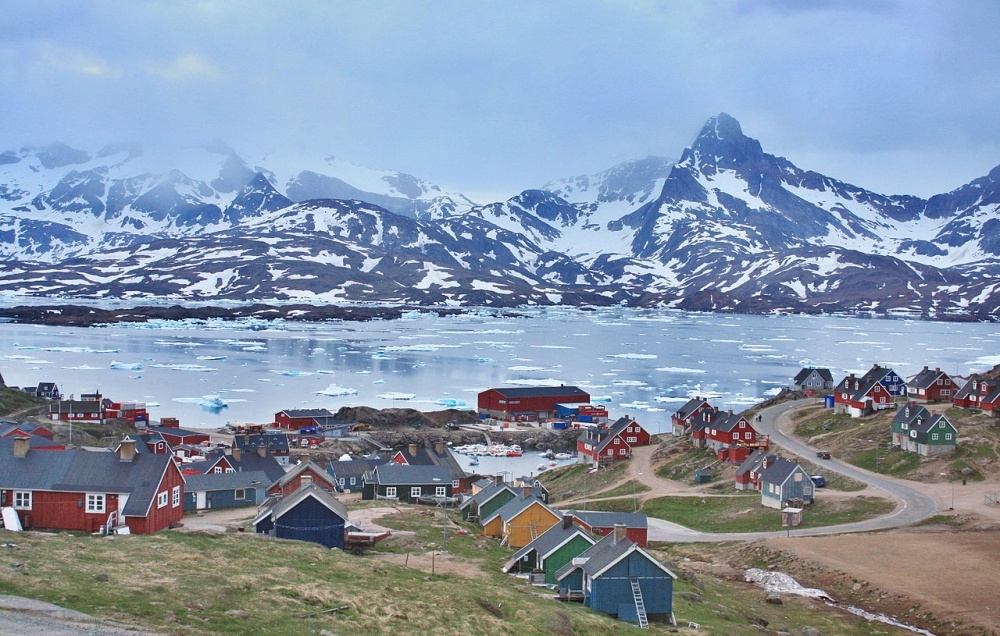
[{"x": 235, "y": 583}]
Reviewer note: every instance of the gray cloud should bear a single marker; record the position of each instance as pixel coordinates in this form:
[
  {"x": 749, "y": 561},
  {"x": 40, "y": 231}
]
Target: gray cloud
[{"x": 496, "y": 97}]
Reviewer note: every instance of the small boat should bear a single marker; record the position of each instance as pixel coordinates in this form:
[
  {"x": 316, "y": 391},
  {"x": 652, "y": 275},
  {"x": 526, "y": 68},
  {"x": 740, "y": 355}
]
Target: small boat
[
  {"x": 562, "y": 456},
  {"x": 474, "y": 461}
]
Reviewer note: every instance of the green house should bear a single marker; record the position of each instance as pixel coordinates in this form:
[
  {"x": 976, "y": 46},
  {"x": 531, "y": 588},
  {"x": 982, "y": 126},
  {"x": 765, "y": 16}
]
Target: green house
[
  {"x": 917, "y": 430},
  {"x": 553, "y": 549},
  {"x": 487, "y": 501}
]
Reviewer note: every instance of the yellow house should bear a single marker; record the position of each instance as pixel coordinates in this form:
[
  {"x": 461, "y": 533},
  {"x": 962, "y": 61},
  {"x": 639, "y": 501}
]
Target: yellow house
[{"x": 520, "y": 521}]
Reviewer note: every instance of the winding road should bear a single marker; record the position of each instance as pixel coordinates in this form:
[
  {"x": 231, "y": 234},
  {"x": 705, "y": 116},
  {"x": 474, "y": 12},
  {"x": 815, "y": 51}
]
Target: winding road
[{"x": 912, "y": 505}]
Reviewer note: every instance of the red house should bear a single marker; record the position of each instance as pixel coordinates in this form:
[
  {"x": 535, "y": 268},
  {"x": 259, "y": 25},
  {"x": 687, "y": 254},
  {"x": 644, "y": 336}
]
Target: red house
[
  {"x": 876, "y": 390},
  {"x": 294, "y": 419},
  {"x": 134, "y": 412},
  {"x": 979, "y": 393},
  {"x": 728, "y": 430},
  {"x": 179, "y": 436},
  {"x": 77, "y": 411},
  {"x": 603, "y": 523},
  {"x": 683, "y": 417},
  {"x": 930, "y": 385},
  {"x": 599, "y": 445},
  {"x": 304, "y": 474},
  {"x": 528, "y": 404},
  {"x": 26, "y": 428},
  {"x": 89, "y": 491}
]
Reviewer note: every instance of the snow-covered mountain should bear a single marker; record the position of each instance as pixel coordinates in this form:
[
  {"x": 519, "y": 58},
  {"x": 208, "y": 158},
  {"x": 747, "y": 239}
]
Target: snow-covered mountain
[{"x": 728, "y": 227}]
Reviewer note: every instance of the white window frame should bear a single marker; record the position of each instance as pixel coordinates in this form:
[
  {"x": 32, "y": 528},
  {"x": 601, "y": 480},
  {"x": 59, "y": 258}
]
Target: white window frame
[
  {"x": 240, "y": 493},
  {"x": 440, "y": 491},
  {"x": 390, "y": 491},
  {"x": 22, "y": 499},
  {"x": 631, "y": 440},
  {"x": 416, "y": 491},
  {"x": 96, "y": 503},
  {"x": 175, "y": 497},
  {"x": 162, "y": 498},
  {"x": 934, "y": 437}
]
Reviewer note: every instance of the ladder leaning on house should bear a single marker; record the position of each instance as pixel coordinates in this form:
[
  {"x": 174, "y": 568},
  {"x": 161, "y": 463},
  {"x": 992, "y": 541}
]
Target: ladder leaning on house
[
  {"x": 533, "y": 530},
  {"x": 640, "y": 606}
]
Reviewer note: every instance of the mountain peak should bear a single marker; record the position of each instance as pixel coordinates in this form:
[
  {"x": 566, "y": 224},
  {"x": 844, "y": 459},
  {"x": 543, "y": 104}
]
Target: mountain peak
[{"x": 722, "y": 126}]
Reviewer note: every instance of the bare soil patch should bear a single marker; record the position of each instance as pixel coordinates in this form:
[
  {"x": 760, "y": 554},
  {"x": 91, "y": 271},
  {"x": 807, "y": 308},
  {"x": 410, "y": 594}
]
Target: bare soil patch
[{"x": 944, "y": 580}]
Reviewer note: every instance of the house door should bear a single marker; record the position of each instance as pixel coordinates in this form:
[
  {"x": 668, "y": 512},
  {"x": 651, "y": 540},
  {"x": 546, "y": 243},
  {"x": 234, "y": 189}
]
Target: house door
[{"x": 200, "y": 500}]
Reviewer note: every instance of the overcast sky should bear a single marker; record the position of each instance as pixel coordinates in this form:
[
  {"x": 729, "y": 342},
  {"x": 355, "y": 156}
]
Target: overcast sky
[{"x": 490, "y": 98}]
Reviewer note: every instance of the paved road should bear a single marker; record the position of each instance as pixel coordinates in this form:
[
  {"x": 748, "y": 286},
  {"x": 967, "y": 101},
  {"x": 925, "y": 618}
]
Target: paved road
[{"x": 912, "y": 505}]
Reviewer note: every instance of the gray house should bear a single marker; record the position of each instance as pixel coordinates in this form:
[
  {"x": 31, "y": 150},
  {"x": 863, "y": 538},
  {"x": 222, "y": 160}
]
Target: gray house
[
  {"x": 784, "y": 480},
  {"x": 813, "y": 379}
]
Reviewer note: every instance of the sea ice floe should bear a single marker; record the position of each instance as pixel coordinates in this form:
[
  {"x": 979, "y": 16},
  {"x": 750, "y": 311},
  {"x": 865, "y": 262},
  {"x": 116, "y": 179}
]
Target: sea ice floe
[
  {"x": 197, "y": 368},
  {"x": 126, "y": 366},
  {"x": 290, "y": 373},
  {"x": 178, "y": 343},
  {"x": 634, "y": 356},
  {"x": 335, "y": 390},
  {"x": 83, "y": 367},
  {"x": 208, "y": 403},
  {"x": 683, "y": 370},
  {"x": 397, "y": 396},
  {"x": 211, "y": 358}
]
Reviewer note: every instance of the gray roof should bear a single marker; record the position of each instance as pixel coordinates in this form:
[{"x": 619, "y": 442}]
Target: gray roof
[
  {"x": 176, "y": 432},
  {"x": 542, "y": 391},
  {"x": 301, "y": 468},
  {"x": 491, "y": 491},
  {"x": 296, "y": 413},
  {"x": 515, "y": 507},
  {"x": 547, "y": 542},
  {"x": 352, "y": 468},
  {"x": 274, "y": 442},
  {"x": 278, "y": 507},
  {"x": 779, "y": 471},
  {"x": 801, "y": 376},
  {"x": 394, "y": 474},
  {"x": 602, "y": 519},
  {"x": 80, "y": 471},
  {"x": 605, "y": 553},
  {"x": 226, "y": 481}
]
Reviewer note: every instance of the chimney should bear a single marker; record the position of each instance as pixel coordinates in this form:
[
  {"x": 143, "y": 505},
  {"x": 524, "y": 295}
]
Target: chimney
[
  {"x": 126, "y": 450},
  {"x": 526, "y": 491},
  {"x": 619, "y": 532},
  {"x": 237, "y": 454},
  {"x": 262, "y": 450},
  {"x": 412, "y": 448},
  {"x": 567, "y": 522},
  {"x": 21, "y": 445},
  {"x": 439, "y": 447}
]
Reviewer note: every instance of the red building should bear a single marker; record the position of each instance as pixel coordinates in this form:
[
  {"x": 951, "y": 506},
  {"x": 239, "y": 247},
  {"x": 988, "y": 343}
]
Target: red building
[
  {"x": 179, "y": 436},
  {"x": 603, "y": 524},
  {"x": 729, "y": 430},
  {"x": 979, "y": 393},
  {"x": 528, "y": 404},
  {"x": 87, "y": 491},
  {"x": 600, "y": 445},
  {"x": 24, "y": 429},
  {"x": 134, "y": 412},
  {"x": 77, "y": 411},
  {"x": 930, "y": 385},
  {"x": 294, "y": 419},
  {"x": 304, "y": 474},
  {"x": 683, "y": 417}
]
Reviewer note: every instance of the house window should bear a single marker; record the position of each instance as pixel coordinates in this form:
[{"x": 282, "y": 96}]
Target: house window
[
  {"x": 414, "y": 491},
  {"x": 441, "y": 491},
  {"x": 934, "y": 437},
  {"x": 631, "y": 440},
  {"x": 230, "y": 470},
  {"x": 798, "y": 477},
  {"x": 623, "y": 451},
  {"x": 240, "y": 493},
  {"x": 95, "y": 503},
  {"x": 390, "y": 491},
  {"x": 947, "y": 436},
  {"x": 342, "y": 481},
  {"x": 610, "y": 452},
  {"x": 618, "y": 440},
  {"x": 217, "y": 470},
  {"x": 161, "y": 499},
  {"x": 175, "y": 497},
  {"x": 454, "y": 483},
  {"x": 22, "y": 500}
]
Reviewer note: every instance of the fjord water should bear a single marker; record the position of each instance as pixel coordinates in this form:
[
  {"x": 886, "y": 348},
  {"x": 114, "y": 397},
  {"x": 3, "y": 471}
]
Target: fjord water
[{"x": 638, "y": 362}]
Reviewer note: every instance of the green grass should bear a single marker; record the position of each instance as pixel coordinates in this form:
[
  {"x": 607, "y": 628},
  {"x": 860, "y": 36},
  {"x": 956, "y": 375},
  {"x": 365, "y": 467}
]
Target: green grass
[
  {"x": 744, "y": 512},
  {"x": 887, "y": 461},
  {"x": 577, "y": 480}
]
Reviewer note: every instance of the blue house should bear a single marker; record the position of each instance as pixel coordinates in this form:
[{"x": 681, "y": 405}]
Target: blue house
[
  {"x": 212, "y": 490},
  {"x": 783, "y": 480},
  {"x": 617, "y": 577},
  {"x": 308, "y": 514}
]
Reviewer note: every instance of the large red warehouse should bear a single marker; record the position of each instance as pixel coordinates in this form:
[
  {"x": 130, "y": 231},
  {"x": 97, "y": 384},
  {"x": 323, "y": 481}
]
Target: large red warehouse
[{"x": 526, "y": 404}]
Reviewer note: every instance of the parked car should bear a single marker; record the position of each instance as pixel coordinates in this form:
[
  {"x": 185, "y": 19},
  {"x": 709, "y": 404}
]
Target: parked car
[
  {"x": 818, "y": 480},
  {"x": 823, "y": 454}
]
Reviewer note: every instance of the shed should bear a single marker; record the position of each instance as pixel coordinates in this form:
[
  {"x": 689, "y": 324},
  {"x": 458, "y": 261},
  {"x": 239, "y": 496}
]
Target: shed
[{"x": 309, "y": 514}]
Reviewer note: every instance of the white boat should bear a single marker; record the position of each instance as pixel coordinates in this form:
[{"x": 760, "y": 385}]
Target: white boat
[{"x": 563, "y": 456}]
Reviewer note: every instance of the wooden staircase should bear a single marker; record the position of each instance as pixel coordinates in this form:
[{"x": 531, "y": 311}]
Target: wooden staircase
[{"x": 640, "y": 606}]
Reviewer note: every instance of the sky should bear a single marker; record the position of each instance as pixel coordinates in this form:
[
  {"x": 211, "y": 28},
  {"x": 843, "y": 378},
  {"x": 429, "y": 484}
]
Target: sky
[{"x": 491, "y": 98}]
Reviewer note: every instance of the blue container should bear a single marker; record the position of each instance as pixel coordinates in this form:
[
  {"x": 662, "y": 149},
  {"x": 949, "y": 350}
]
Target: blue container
[
  {"x": 828, "y": 401},
  {"x": 586, "y": 418},
  {"x": 560, "y": 425}
]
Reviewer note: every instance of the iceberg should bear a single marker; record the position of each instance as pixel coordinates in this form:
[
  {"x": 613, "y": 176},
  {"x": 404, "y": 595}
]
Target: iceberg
[
  {"x": 126, "y": 366},
  {"x": 336, "y": 391}
]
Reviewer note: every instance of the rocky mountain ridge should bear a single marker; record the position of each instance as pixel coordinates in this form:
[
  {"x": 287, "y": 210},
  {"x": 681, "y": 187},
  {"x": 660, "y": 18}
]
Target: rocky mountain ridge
[{"x": 728, "y": 227}]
